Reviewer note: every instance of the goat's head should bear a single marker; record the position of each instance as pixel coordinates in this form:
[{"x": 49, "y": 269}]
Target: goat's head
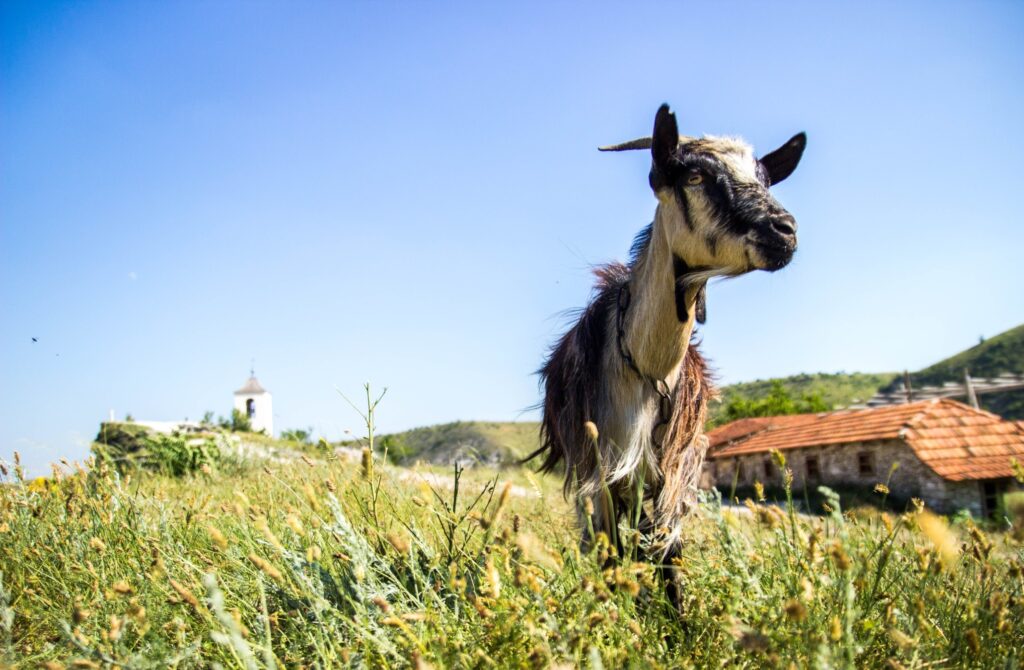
[{"x": 714, "y": 198}]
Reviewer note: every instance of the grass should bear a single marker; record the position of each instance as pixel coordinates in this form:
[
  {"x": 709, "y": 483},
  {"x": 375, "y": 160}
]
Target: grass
[{"x": 337, "y": 564}]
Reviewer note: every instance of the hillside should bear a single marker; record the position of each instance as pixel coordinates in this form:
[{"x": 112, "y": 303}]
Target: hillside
[
  {"x": 480, "y": 442},
  {"x": 836, "y": 389},
  {"x": 997, "y": 355}
]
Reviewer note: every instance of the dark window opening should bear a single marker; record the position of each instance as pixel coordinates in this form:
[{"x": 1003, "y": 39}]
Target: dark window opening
[
  {"x": 866, "y": 463},
  {"x": 769, "y": 470},
  {"x": 250, "y": 407},
  {"x": 990, "y": 492},
  {"x": 811, "y": 465}
]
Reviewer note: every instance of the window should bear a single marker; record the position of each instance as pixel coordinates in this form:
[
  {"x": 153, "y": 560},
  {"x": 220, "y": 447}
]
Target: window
[
  {"x": 866, "y": 463},
  {"x": 769, "y": 469},
  {"x": 250, "y": 407},
  {"x": 990, "y": 493},
  {"x": 811, "y": 464}
]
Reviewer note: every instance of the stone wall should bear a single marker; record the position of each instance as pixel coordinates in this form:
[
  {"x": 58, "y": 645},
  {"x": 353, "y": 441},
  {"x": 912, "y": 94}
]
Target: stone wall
[{"x": 841, "y": 466}]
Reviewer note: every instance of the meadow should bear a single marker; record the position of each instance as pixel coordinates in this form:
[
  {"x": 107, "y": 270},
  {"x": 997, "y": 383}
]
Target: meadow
[{"x": 328, "y": 562}]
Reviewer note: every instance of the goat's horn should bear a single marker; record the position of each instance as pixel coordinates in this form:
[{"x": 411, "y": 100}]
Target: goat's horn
[{"x": 641, "y": 143}]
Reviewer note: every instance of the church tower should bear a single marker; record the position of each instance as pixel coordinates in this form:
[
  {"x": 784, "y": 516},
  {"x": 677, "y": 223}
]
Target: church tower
[{"x": 255, "y": 402}]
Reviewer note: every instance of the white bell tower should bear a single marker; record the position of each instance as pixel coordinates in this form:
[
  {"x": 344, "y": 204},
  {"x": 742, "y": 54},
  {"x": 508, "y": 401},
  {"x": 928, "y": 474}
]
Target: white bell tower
[{"x": 255, "y": 402}]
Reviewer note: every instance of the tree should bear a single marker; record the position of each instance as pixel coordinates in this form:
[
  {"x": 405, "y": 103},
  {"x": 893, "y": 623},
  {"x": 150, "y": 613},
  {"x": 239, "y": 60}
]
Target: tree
[
  {"x": 778, "y": 402},
  {"x": 240, "y": 422}
]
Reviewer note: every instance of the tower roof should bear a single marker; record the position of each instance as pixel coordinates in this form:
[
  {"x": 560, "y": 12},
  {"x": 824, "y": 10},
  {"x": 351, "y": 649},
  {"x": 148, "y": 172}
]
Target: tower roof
[{"x": 251, "y": 387}]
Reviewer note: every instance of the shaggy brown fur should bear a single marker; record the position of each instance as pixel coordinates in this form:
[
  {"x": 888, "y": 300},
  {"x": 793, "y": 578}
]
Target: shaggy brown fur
[{"x": 574, "y": 377}]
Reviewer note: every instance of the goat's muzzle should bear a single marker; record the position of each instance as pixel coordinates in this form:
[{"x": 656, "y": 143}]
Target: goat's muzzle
[{"x": 776, "y": 241}]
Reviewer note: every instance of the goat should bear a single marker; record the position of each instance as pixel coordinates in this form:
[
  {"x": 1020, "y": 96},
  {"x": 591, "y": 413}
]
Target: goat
[{"x": 625, "y": 389}]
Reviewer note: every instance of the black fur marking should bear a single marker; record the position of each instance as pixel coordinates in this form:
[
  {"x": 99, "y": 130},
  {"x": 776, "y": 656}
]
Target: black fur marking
[
  {"x": 680, "y": 268},
  {"x": 780, "y": 163}
]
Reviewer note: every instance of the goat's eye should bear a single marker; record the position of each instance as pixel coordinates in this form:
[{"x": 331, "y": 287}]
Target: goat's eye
[{"x": 695, "y": 178}]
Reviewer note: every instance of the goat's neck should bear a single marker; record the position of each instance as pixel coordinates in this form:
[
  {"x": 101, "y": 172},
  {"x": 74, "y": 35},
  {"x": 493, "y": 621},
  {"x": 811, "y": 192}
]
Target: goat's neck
[{"x": 656, "y": 335}]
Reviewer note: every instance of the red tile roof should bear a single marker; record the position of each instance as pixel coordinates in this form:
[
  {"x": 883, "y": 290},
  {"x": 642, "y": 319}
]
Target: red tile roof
[{"x": 956, "y": 441}]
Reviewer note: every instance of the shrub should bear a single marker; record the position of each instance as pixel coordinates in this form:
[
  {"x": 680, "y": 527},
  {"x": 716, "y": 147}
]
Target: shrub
[
  {"x": 128, "y": 446},
  {"x": 302, "y": 435}
]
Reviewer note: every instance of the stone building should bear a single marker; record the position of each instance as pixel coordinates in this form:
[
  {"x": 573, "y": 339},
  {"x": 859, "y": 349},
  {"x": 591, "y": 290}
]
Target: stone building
[
  {"x": 255, "y": 402},
  {"x": 950, "y": 455}
]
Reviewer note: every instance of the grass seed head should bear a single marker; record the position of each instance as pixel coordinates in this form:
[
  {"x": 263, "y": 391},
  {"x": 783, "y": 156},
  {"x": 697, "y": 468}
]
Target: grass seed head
[
  {"x": 185, "y": 594},
  {"x": 938, "y": 532},
  {"x": 973, "y": 641},
  {"x": 400, "y": 544},
  {"x": 835, "y": 629},
  {"x": 795, "y": 610},
  {"x": 367, "y": 463},
  {"x": 266, "y": 568},
  {"x": 217, "y": 537},
  {"x": 295, "y": 524}
]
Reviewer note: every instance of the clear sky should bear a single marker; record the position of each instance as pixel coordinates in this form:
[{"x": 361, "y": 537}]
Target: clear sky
[{"x": 409, "y": 193}]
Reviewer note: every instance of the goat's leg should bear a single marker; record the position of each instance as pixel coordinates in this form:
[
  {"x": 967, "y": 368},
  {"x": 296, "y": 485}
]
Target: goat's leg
[
  {"x": 662, "y": 557},
  {"x": 599, "y": 514}
]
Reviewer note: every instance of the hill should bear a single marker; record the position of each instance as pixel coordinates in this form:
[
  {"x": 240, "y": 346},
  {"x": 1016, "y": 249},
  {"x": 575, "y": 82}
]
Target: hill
[
  {"x": 837, "y": 390},
  {"x": 479, "y": 442},
  {"x": 997, "y": 355},
  {"x": 991, "y": 357},
  {"x": 1000, "y": 354}
]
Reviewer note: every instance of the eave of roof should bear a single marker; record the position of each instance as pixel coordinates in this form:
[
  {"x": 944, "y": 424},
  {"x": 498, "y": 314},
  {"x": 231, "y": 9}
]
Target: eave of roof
[{"x": 958, "y": 442}]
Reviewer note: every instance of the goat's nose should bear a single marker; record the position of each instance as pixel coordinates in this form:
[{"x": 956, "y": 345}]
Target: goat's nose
[{"x": 785, "y": 226}]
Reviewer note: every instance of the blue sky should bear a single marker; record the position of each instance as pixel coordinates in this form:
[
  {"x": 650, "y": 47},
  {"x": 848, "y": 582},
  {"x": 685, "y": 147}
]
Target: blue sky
[{"x": 409, "y": 193}]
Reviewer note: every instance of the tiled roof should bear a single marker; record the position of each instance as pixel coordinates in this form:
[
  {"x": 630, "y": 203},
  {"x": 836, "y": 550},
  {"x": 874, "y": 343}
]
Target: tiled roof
[
  {"x": 252, "y": 387},
  {"x": 956, "y": 441}
]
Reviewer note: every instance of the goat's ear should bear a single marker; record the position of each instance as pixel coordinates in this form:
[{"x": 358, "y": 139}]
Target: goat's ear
[
  {"x": 780, "y": 163},
  {"x": 665, "y": 138}
]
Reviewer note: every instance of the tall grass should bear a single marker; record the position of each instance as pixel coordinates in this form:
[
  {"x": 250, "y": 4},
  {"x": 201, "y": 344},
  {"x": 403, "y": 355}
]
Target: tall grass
[{"x": 337, "y": 565}]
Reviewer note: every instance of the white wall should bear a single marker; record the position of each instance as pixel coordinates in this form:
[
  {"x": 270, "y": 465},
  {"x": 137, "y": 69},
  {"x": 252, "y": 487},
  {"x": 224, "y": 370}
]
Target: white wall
[{"x": 263, "y": 419}]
